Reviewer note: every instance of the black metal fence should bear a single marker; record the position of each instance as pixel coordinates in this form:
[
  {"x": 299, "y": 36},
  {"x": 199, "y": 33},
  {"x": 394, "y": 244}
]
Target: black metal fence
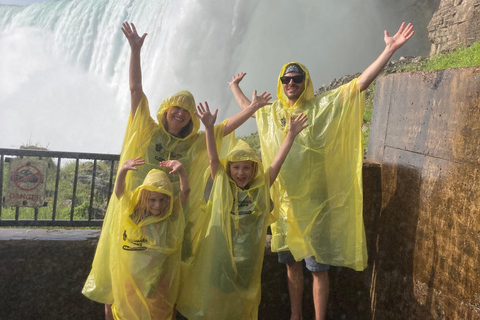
[{"x": 78, "y": 187}]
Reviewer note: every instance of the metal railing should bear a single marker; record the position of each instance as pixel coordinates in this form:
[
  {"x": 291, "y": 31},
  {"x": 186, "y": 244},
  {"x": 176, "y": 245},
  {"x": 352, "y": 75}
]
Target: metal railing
[{"x": 76, "y": 193}]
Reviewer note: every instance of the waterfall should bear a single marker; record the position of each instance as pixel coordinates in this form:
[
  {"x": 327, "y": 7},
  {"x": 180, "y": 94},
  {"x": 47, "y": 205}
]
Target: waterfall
[{"x": 64, "y": 63}]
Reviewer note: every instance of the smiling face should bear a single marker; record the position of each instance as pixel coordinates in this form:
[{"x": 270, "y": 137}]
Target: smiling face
[
  {"x": 241, "y": 172},
  {"x": 177, "y": 118},
  {"x": 157, "y": 203},
  {"x": 293, "y": 90}
]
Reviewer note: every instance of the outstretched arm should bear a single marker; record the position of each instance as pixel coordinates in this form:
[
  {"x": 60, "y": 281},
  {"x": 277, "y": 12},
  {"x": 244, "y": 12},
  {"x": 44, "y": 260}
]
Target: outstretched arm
[
  {"x": 208, "y": 119},
  {"x": 238, "y": 94},
  {"x": 392, "y": 44},
  {"x": 136, "y": 43},
  {"x": 294, "y": 128},
  {"x": 237, "y": 120},
  {"x": 177, "y": 166},
  {"x": 122, "y": 173}
]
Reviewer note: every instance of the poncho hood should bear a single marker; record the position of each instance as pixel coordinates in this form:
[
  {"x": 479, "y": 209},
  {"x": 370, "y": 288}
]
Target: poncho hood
[
  {"x": 243, "y": 152},
  {"x": 156, "y": 181},
  {"x": 307, "y": 94},
  {"x": 183, "y": 99}
]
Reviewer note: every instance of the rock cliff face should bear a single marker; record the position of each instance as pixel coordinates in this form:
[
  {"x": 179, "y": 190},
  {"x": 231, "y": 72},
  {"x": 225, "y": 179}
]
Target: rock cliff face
[
  {"x": 455, "y": 23},
  {"x": 440, "y": 25}
]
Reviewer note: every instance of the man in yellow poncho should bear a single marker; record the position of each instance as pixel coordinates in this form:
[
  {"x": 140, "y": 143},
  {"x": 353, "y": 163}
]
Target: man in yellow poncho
[{"x": 320, "y": 195}]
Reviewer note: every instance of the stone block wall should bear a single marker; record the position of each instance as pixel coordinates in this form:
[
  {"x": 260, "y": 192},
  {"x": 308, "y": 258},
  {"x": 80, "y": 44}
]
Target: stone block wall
[
  {"x": 455, "y": 23},
  {"x": 42, "y": 274},
  {"x": 425, "y": 134}
]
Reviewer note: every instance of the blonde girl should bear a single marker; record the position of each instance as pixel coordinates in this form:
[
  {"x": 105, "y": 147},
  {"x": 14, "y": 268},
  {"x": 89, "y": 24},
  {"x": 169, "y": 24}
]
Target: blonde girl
[{"x": 146, "y": 272}]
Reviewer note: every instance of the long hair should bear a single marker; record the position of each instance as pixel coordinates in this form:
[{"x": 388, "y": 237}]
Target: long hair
[{"x": 140, "y": 212}]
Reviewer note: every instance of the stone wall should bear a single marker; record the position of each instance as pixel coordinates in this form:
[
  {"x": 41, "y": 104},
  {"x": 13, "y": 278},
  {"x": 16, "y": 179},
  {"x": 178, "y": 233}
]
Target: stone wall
[
  {"x": 42, "y": 274},
  {"x": 425, "y": 134},
  {"x": 455, "y": 23}
]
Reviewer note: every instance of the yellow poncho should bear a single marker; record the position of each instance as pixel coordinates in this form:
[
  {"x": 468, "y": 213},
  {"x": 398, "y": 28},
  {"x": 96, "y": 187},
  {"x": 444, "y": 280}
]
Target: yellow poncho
[
  {"x": 148, "y": 139},
  {"x": 227, "y": 268},
  {"x": 321, "y": 179},
  {"x": 147, "y": 269}
]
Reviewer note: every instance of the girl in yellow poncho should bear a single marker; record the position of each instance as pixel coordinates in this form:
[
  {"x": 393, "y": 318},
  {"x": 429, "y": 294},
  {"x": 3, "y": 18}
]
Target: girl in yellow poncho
[
  {"x": 146, "y": 272},
  {"x": 175, "y": 136},
  {"x": 229, "y": 262}
]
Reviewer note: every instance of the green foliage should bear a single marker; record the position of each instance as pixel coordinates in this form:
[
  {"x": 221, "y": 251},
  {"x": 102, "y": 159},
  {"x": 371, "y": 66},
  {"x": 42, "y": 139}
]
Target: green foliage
[{"x": 459, "y": 58}]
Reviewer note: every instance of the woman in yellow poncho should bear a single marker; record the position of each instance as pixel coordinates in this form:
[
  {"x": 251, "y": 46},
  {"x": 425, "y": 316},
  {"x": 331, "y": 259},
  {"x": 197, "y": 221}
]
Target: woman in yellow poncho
[
  {"x": 229, "y": 262},
  {"x": 175, "y": 136},
  {"x": 146, "y": 274}
]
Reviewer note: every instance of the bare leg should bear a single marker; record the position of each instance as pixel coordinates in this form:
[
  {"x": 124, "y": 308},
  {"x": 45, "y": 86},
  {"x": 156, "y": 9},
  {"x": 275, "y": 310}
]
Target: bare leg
[
  {"x": 108, "y": 312},
  {"x": 295, "y": 289},
  {"x": 321, "y": 290}
]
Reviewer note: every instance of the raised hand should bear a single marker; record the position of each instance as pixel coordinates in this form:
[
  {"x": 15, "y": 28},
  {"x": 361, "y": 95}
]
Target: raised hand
[
  {"x": 178, "y": 167},
  {"x": 132, "y": 164},
  {"x": 132, "y": 36},
  {"x": 297, "y": 125},
  {"x": 236, "y": 79},
  {"x": 400, "y": 38},
  {"x": 208, "y": 119},
  {"x": 175, "y": 165},
  {"x": 261, "y": 100}
]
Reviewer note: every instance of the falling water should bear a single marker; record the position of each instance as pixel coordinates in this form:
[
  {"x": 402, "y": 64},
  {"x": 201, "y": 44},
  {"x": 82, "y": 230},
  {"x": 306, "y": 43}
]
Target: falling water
[{"x": 64, "y": 63}]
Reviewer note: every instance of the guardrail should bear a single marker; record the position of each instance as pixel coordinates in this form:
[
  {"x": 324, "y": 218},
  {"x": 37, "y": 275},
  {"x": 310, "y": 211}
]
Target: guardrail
[{"x": 77, "y": 189}]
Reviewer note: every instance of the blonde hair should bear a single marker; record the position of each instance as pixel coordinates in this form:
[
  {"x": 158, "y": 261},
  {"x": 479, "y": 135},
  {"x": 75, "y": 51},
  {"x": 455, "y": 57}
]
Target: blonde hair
[{"x": 140, "y": 211}]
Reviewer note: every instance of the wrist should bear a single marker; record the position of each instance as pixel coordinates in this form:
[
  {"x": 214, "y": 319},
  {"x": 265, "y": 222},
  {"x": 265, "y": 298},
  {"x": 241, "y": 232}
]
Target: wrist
[
  {"x": 255, "y": 105},
  {"x": 389, "y": 51},
  {"x": 290, "y": 136}
]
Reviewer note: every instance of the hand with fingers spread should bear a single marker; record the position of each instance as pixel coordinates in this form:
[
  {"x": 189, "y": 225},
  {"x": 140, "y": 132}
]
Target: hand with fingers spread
[
  {"x": 298, "y": 124},
  {"x": 261, "y": 100},
  {"x": 208, "y": 119},
  {"x": 392, "y": 44},
  {"x": 130, "y": 32},
  {"x": 128, "y": 165},
  {"x": 132, "y": 164},
  {"x": 175, "y": 165},
  {"x": 236, "y": 79},
  {"x": 403, "y": 34}
]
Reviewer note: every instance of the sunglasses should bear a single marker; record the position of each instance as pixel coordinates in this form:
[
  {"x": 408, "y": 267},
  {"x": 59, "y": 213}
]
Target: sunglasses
[{"x": 296, "y": 79}]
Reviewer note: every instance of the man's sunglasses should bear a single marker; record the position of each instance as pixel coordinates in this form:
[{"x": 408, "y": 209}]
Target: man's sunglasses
[{"x": 296, "y": 79}]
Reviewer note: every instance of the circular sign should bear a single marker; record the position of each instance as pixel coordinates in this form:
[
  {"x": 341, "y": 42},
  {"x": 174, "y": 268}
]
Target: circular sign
[{"x": 27, "y": 177}]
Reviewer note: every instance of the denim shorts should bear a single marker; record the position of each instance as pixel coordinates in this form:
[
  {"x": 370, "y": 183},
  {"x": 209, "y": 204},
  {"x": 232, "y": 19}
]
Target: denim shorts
[{"x": 286, "y": 257}]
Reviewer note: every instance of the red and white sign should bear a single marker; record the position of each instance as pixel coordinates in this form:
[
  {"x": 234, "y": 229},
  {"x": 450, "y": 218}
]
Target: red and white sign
[{"x": 26, "y": 183}]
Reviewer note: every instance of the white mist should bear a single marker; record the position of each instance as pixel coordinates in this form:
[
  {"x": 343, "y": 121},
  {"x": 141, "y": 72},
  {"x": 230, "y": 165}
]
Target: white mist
[{"x": 64, "y": 63}]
